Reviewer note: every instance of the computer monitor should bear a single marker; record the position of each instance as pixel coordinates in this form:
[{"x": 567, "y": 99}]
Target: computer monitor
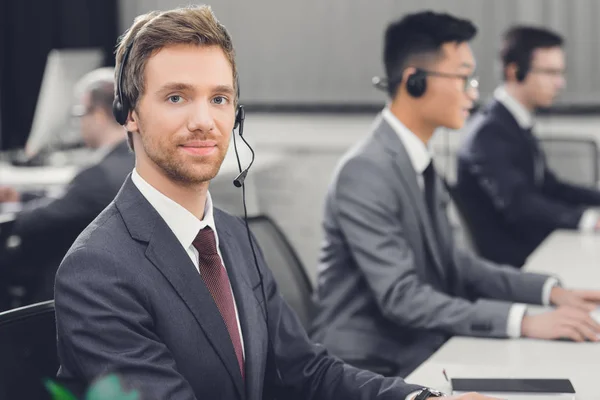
[{"x": 55, "y": 101}]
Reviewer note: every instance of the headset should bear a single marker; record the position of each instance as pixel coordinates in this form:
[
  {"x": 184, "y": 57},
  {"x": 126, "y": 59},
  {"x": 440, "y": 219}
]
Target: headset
[
  {"x": 522, "y": 70},
  {"x": 416, "y": 83},
  {"x": 121, "y": 109}
]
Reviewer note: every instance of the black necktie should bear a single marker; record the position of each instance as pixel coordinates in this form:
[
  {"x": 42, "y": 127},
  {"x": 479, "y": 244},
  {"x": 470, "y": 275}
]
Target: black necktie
[{"x": 430, "y": 197}]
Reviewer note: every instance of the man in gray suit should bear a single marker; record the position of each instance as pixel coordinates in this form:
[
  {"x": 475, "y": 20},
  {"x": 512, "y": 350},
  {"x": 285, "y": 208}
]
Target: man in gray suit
[{"x": 393, "y": 286}]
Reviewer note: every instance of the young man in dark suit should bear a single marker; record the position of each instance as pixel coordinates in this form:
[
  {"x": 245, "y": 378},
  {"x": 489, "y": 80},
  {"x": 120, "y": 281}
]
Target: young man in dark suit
[
  {"x": 47, "y": 227},
  {"x": 162, "y": 286},
  {"x": 510, "y": 197},
  {"x": 393, "y": 285}
]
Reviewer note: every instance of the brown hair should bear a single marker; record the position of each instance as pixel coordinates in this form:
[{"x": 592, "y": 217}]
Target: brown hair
[{"x": 158, "y": 29}]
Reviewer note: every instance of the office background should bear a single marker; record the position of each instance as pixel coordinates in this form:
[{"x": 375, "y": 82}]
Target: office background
[
  {"x": 306, "y": 69},
  {"x": 325, "y": 52}
]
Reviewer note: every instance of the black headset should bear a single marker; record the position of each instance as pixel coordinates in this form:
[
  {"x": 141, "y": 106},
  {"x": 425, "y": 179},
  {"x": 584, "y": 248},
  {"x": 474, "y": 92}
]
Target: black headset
[
  {"x": 416, "y": 83},
  {"x": 522, "y": 70}
]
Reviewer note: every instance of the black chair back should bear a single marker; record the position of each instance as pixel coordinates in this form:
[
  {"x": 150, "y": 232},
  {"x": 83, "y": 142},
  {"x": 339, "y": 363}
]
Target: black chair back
[
  {"x": 289, "y": 273},
  {"x": 27, "y": 351}
]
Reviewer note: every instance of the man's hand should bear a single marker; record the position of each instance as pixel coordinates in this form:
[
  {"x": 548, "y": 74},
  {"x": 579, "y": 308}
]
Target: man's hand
[
  {"x": 9, "y": 195},
  {"x": 563, "y": 323},
  {"x": 586, "y": 300}
]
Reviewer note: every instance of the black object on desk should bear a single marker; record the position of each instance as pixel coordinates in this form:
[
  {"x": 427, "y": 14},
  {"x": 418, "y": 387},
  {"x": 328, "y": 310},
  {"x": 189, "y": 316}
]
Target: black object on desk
[{"x": 512, "y": 385}]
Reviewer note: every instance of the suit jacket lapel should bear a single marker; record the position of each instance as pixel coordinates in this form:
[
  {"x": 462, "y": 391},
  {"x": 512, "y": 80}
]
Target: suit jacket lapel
[
  {"x": 250, "y": 308},
  {"x": 166, "y": 253},
  {"x": 408, "y": 175}
]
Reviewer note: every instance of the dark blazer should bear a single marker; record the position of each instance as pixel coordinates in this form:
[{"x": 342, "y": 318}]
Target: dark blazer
[
  {"x": 390, "y": 294},
  {"x": 48, "y": 227},
  {"x": 129, "y": 298},
  {"x": 510, "y": 212}
]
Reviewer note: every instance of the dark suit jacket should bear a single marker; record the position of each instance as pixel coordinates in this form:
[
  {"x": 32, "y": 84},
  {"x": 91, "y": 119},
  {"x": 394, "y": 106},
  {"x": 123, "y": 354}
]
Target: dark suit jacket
[
  {"x": 390, "y": 294},
  {"x": 509, "y": 212},
  {"x": 50, "y": 226},
  {"x": 128, "y": 298}
]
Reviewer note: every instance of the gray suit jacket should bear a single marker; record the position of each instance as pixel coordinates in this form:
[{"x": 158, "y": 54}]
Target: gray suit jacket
[
  {"x": 129, "y": 299},
  {"x": 388, "y": 294}
]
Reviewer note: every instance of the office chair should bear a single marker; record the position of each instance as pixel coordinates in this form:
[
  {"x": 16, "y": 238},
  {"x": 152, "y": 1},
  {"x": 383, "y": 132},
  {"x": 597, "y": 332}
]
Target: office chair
[
  {"x": 289, "y": 273},
  {"x": 573, "y": 159},
  {"x": 28, "y": 351}
]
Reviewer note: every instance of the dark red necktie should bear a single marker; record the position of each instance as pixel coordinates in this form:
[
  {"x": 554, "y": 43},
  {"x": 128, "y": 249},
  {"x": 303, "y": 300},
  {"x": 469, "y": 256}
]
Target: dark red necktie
[{"x": 215, "y": 277}]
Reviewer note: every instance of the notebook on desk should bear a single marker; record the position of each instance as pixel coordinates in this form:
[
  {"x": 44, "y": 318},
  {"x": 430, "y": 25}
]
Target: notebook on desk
[{"x": 517, "y": 389}]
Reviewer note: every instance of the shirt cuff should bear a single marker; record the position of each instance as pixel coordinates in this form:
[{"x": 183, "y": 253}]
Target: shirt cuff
[
  {"x": 588, "y": 221},
  {"x": 550, "y": 283},
  {"x": 515, "y": 319}
]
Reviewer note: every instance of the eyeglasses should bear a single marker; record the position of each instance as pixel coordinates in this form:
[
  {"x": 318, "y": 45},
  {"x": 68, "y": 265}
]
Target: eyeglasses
[
  {"x": 554, "y": 72},
  {"x": 470, "y": 81}
]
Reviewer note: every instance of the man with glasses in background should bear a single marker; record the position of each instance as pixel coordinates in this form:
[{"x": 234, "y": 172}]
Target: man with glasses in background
[
  {"x": 392, "y": 284},
  {"x": 511, "y": 198}
]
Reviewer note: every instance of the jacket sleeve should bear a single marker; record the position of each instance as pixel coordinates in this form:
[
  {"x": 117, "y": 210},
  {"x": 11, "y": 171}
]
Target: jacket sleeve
[{"x": 569, "y": 193}]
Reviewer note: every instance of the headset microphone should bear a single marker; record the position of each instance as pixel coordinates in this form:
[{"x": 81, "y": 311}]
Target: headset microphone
[
  {"x": 379, "y": 83},
  {"x": 239, "y": 124},
  {"x": 239, "y": 180}
]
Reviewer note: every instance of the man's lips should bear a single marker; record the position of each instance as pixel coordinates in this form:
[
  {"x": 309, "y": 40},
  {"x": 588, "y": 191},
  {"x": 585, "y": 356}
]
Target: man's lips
[{"x": 200, "y": 147}]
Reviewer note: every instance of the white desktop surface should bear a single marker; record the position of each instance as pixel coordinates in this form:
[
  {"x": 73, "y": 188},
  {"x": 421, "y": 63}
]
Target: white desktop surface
[
  {"x": 572, "y": 256},
  {"x": 575, "y": 259},
  {"x": 23, "y": 178}
]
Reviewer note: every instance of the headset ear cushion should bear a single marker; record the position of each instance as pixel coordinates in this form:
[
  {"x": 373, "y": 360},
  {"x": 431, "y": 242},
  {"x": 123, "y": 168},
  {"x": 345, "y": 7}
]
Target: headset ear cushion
[
  {"x": 117, "y": 111},
  {"x": 416, "y": 84}
]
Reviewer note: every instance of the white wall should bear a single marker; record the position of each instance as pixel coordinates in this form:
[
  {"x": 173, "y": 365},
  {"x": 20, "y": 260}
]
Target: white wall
[{"x": 326, "y": 51}]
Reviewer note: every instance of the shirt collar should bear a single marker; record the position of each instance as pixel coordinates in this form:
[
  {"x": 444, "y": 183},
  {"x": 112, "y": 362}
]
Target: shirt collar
[
  {"x": 519, "y": 112},
  {"x": 419, "y": 155},
  {"x": 184, "y": 225}
]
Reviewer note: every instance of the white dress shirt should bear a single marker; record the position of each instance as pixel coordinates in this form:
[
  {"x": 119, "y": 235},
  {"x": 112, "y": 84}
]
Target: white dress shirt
[
  {"x": 525, "y": 119},
  {"x": 185, "y": 226},
  {"x": 420, "y": 158}
]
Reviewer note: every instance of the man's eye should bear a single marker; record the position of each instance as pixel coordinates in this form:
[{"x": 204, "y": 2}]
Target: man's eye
[{"x": 220, "y": 100}]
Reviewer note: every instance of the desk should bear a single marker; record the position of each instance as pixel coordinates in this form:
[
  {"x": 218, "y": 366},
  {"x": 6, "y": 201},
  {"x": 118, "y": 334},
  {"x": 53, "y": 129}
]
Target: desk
[
  {"x": 27, "y": 178},
  {"x": 575, "y": 259},
  {"x": 571, "y": 256}
]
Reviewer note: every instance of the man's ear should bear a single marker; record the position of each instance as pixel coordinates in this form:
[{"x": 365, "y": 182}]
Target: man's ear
[
  {"x": 510, "y": 72},
  {"x": 131, "y": 124}
]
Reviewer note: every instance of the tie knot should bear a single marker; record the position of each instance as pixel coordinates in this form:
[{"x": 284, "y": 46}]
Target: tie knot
[
  {"x": 429, "y": 171},
  {"x": 205, "y": 241}
]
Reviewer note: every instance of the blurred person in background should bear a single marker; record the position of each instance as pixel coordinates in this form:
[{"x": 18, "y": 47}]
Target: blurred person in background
[
  {"x": 47, "y": 227},
  {"x": 393, "y": 285},
  {"x": 511, "y": 198}
]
